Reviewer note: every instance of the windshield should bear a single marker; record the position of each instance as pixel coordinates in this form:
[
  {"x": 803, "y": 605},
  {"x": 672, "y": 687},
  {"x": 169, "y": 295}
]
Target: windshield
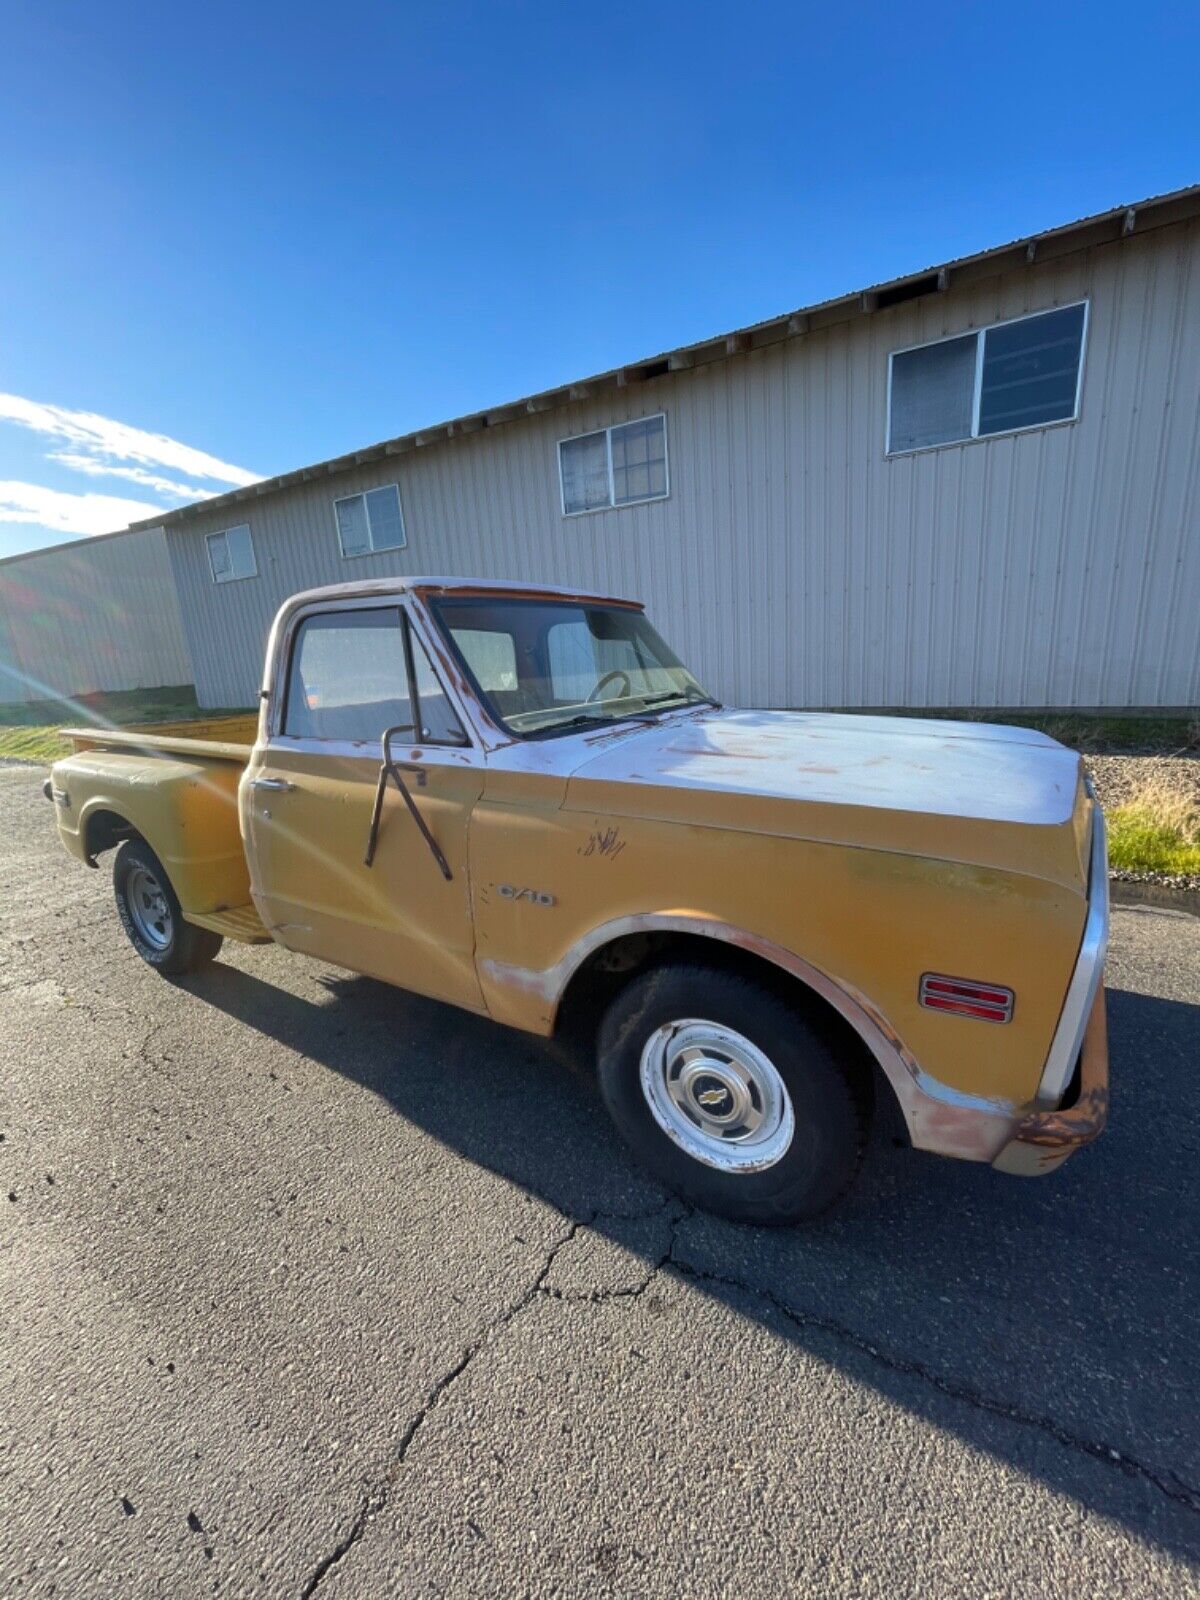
[{"x": 550, "y": 666}]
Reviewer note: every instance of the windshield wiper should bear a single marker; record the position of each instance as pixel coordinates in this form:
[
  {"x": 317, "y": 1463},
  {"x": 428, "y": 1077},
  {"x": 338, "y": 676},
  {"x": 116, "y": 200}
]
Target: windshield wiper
[
  {"x": 580, "y": 721},
  {"x": 583, "y": 720},
  {"x": 688, "y": 697}
]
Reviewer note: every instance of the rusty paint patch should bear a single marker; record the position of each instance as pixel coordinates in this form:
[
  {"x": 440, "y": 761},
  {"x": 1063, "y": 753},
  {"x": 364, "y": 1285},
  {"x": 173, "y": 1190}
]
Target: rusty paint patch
[
  {"x": 459, "y": 589},
  {"x": 603, "y": 842},
  {"x": 1060, "y": 1130}
]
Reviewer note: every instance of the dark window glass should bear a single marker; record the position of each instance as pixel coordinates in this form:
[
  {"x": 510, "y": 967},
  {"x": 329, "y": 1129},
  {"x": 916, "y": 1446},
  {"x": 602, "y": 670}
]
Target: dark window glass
[
  {"x": 371, "y": 521},
  {"x": 1031, "y": 371},
  {"x": 617, "y": 466},
  {"x": 231, "y": 554}
]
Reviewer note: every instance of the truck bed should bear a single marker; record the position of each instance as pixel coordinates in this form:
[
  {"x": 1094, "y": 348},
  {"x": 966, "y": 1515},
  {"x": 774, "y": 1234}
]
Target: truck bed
[
  {"x": 217, "y": 738},
  {"x": 176, "y": 785}
]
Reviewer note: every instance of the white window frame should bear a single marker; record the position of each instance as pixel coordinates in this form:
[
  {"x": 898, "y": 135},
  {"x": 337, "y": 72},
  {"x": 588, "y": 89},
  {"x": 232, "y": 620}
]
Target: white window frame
[
  {"x": 978, "y": 334},
  {"x": 231, "y": 577},
  {"x": 361, "y": 494},
  {"x": 590, "y": 433}
]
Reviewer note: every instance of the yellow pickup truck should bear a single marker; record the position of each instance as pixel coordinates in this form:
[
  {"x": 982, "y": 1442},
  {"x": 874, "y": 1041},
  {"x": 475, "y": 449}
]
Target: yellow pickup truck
[{"x": 518, "y": 800}]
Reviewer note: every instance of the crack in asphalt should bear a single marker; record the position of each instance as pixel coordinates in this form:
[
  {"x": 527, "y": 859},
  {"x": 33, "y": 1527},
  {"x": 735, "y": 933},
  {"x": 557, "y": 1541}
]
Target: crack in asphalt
[
  {"x": 376, "y": 1499},
  {"x": 596, "y": 1297},
  {"x": 1182, "y": 1493},
  {"x": 1173, "y": 1486}
]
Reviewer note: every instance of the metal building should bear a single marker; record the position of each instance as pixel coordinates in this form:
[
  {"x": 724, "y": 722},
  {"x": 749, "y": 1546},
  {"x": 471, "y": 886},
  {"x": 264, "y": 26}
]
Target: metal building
[
  {"x": 977, "y": 486},
  {"x": 96, "y": 614}
]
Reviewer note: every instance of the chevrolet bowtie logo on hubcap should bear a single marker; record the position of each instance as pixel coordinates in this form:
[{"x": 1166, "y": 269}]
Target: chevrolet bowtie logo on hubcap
[{"x": 712, "y": 1096}]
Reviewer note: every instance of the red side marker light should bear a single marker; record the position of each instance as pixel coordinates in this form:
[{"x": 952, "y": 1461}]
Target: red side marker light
[{"x": 966, "y": 998}]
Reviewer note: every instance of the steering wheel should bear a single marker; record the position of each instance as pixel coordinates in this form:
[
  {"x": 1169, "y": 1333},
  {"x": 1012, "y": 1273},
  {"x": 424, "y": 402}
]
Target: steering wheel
[{"x": 617, "y": 672}]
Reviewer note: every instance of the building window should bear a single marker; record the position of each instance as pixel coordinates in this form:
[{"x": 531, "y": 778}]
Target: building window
[
  {"x": 231, "y": 555},
  {"x": 1013, "y": 375},
  {"x": 370, "y": 522},
  {"x": 619, "y": 466}
]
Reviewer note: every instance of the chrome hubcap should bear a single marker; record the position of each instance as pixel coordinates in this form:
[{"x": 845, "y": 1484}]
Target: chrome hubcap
[
  {"x": 717, "y": 1095},
  {"x": 148, "y": 907}
]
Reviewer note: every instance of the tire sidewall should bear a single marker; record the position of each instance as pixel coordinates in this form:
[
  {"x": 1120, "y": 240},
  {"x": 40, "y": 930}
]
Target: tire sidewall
[
  {"x": 136, "y": 853},
  {"x": 826, "y": 1147}
]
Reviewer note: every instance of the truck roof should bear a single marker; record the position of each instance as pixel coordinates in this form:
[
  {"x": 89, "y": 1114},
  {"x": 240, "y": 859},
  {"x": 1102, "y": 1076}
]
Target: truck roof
[{"x": 457, "y": 586}]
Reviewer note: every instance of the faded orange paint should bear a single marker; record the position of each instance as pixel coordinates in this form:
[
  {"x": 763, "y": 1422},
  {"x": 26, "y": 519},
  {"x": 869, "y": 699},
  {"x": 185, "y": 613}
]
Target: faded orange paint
[{"x": 854, "y": 853}]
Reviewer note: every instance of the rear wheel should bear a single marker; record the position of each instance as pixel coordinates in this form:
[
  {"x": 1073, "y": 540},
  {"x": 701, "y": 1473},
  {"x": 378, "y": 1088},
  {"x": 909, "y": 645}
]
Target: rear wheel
[
  {"x": 729, "y": 1096},
  {"x": 151, "y": 915}
]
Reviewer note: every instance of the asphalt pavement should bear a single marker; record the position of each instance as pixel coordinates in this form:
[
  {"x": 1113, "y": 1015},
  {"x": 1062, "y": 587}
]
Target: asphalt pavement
[{"x": 309, "y": 1287}]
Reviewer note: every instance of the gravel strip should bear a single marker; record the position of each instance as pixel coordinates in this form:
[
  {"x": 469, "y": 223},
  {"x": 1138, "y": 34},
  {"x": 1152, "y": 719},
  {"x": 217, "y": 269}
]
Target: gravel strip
[{"x": 1118, "y": 780}]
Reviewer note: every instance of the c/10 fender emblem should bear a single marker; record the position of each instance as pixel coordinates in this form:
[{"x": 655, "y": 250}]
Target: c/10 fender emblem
[{"x": 536, "y": 897}]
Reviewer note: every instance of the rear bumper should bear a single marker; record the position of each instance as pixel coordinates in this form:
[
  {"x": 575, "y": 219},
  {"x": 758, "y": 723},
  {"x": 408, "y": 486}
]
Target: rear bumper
[{"x": 1043, "y": 1140}]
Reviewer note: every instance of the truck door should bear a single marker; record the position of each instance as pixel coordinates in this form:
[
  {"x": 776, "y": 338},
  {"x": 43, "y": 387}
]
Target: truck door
[{"x": 345, "y": 675}]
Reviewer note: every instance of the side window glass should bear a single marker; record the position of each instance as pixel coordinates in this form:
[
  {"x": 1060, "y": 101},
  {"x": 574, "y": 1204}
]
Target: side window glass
[
  {"x": 348, "y": 678},
  {"x": 439, "y": 725}
]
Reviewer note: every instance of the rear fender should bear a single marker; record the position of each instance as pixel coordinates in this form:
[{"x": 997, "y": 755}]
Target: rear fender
[{"x": 186, "y": 811}]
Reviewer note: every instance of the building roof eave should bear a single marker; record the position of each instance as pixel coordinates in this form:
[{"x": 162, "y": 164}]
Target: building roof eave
[{"x": 1107, "y": 227}]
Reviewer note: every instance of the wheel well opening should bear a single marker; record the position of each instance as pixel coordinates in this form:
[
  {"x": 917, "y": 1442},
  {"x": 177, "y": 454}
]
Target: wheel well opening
[
  {"x": 105, "y": 831},
  {"x": 599, "y": 979}
]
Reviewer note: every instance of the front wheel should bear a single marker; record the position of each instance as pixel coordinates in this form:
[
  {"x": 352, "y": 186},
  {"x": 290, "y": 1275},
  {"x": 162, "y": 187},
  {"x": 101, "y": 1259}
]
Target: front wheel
[
  {"x": 151, "y": 916},
  {"x": 729, "y": 1096}
]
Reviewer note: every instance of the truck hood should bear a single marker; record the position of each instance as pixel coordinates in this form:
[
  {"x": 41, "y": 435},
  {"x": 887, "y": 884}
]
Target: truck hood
[{"x": 977, "y": 793}]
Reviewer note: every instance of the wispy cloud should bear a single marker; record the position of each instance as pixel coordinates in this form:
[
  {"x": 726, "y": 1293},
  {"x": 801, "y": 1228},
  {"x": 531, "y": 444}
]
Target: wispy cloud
[
  {"x": 94, "y": 468},
  {"x": 103, "y": 439},
  {"x": 98, "y": 447},
  {"x": 79, "y": 515}
]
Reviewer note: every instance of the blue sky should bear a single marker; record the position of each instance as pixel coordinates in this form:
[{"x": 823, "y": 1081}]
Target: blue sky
[{"x": 265, "y": 234}]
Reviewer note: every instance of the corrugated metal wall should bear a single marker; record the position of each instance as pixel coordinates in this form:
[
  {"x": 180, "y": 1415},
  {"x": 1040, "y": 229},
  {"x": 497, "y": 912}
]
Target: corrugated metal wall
[
  {"x": 13, "y": 689},
  {"x": 102, "y": 614},
  {"x": 794, "y": 564}
]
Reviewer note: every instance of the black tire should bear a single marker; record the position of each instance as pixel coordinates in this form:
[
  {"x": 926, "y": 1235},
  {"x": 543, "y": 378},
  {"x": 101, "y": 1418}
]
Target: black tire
[
  {"x": 155, "y": 926},
  {"x": 829, "y": 1106}
]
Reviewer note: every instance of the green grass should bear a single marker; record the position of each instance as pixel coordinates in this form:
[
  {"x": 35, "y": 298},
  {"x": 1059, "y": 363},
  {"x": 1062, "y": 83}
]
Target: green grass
[
  {"x": 1157, "y": 831},
  {"x": 30, "y": 732}
]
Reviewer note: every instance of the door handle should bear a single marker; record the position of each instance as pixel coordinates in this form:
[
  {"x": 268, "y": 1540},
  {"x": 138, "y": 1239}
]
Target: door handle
[{"x": 281, "y": 785}]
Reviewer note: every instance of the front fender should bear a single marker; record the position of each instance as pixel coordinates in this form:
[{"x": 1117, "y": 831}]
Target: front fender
[{"x": 938, "y": 1117}]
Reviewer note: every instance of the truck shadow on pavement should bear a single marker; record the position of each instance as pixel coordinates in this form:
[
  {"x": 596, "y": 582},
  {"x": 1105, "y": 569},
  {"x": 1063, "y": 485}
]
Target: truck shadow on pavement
[{"x": 1050, "y": 1323}]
